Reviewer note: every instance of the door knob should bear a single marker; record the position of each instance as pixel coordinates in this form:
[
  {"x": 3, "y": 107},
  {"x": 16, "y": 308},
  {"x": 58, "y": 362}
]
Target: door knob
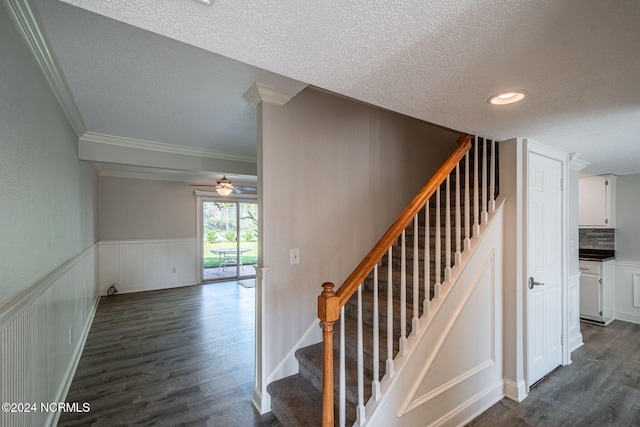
[{"x": 533, "y": 283}]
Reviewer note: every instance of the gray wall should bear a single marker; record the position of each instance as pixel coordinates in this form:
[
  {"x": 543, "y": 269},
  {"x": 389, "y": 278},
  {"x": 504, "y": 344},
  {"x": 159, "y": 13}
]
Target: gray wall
[
  {"x": 47, "y": 196},
  {"x": 627, "y": 218},
  {"x": 334, "y": 175},
  {"x": 145, "y": 209},
  {"x": 627, "y": 248}
]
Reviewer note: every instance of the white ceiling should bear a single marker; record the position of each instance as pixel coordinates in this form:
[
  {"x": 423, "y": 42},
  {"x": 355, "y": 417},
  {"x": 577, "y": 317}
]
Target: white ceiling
[{"x": 174, "y": 71}]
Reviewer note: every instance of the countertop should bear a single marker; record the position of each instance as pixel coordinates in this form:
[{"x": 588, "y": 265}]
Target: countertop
[{"x": 596, "y": 255}]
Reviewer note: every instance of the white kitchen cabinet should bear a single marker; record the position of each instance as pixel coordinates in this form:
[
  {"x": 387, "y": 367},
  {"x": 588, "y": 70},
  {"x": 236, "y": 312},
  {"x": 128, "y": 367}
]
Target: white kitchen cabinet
[
  {"x": 597, "y": 202},
  {"x": 597, "y": 291}
]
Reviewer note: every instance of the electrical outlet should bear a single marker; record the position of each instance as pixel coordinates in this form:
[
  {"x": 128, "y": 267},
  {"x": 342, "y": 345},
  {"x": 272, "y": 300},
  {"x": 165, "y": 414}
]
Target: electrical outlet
[{"x": 294, "y": 256}]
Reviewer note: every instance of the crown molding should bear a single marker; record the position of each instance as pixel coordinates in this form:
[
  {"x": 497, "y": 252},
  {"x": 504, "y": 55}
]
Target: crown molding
[
  {"x": 575, "y": 163},
  {"x": 261, "y": 92},
  {"x": 99, "y": 138},
  {"x": 142, "y": 175},
  {"x": 28, "y": 24}
]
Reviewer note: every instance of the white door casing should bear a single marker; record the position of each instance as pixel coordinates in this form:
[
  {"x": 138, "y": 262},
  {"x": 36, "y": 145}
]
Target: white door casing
[{"x": 545, "y": 258}]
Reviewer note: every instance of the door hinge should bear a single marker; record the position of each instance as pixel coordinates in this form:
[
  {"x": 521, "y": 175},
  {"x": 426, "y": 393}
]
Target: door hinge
[
  {"x": 561, "y": 184},
  {"x": 561, "y": 339}
]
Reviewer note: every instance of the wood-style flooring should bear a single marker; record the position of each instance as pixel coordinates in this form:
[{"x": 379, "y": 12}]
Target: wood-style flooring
[
  {"x": 171, "y": 357},
  {"x": 185, "y": 357},
  {"x": 600, "y": 388}
]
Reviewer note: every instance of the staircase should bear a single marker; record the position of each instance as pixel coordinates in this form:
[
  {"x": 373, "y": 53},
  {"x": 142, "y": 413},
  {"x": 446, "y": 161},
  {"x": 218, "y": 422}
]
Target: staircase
[{"x": 297, "y": 400}]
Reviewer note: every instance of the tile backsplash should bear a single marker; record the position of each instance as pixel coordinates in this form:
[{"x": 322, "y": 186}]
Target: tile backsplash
[{"x": 597, "y": 238}]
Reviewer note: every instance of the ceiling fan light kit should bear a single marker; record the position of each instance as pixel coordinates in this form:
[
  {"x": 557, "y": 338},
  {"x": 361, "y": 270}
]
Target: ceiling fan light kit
[{"x": 224, "y": 187}]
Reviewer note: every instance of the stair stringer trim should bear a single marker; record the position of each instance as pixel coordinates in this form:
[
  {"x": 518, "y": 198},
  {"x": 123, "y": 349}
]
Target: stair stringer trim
[
  {"x": 289, "y": 364},
  {"x": 377, "y": 412}
]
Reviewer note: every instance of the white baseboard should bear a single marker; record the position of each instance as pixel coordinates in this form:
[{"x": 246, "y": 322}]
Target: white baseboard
[
  {"x": 575, "y": 342},
  {"x": 516, "y": 392},
  {"x": 261, "y": 402},
  {"x": 627, "y": 317},
  {"x": 143, "y": 287},
  {"x": 288, "y": 366}
]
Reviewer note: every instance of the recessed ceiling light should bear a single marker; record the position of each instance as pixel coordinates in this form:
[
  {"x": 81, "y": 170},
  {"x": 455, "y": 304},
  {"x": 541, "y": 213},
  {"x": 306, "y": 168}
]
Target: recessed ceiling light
[{"x": 507, "y": 97}]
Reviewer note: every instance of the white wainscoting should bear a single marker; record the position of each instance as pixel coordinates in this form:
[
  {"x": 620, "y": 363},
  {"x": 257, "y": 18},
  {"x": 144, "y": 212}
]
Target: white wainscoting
[
  {"x": 627, "y": 291},
  {"x": 42, "y": 334},
  {"x": 144, "y": 265}
]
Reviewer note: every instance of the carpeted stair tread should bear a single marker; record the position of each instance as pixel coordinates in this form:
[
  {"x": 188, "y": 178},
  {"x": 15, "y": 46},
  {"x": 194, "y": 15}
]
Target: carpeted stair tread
[
  {"x": 311, "y": 360},
  {"x": 295, "y": 402},
  {"x": 351, "y": 308},
  {"x": 396, "y": 280},
  {"x": 351, "y": 336}
]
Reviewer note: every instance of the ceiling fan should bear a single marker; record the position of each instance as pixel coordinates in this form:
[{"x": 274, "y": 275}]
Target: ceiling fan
[{"x": 224, "y": 187}]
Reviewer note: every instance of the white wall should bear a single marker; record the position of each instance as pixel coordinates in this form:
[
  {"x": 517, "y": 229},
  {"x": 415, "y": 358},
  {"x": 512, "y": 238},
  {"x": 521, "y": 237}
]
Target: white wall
[
  {"x": 48, "y": 227},
  {"x": 512, "y": 188},
  {"x": 572, "y": 186},
  {"x": 627, "y": 247},
  {"x": 333, "y": 174}
]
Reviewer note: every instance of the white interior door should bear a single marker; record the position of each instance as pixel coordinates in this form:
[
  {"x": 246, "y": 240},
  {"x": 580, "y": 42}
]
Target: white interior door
[{"x": 544, "y": 265}]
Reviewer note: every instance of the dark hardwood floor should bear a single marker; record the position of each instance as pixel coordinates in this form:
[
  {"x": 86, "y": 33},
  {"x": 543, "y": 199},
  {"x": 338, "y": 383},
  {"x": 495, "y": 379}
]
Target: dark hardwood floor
[
  {"x": 171, "y": 357},
  {"x": 600, "y": 388},
  {"x": 185, "y": 357}
]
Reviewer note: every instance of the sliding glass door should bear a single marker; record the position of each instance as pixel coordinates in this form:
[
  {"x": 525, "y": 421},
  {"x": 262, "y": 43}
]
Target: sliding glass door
[{"x": 229, "y": 239}]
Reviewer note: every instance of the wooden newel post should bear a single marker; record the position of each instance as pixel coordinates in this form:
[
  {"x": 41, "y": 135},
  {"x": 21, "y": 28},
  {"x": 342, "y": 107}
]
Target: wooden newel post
[{"x": 328, "y": 313}]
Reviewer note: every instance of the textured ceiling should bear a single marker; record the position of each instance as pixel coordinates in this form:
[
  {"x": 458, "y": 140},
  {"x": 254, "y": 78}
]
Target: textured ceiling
[{"x": 437, "y": 60}]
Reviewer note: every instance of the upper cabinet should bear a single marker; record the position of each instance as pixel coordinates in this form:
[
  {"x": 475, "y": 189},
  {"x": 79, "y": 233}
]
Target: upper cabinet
[{"x": 597, "y": 202}]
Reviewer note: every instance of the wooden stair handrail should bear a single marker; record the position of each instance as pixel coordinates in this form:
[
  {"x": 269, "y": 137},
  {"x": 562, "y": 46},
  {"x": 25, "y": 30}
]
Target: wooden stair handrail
[
  {"x": 330, "y": 302},
  {"x": 350, "y": 286}
]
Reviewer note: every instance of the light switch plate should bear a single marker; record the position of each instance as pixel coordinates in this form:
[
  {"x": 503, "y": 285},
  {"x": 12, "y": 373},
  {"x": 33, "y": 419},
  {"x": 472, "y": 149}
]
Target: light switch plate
[{"x": 294, "y": 256}]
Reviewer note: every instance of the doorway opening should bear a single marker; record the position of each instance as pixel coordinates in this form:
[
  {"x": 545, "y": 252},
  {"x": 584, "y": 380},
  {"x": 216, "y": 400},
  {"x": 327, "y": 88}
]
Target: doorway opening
[{"x": 229, "y": 245}]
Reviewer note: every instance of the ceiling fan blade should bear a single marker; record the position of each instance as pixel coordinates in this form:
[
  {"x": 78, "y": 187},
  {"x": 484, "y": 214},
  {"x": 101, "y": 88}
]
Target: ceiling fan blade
[
  {"x": 240, "y": 189},
  {"x": 246, "y": 188}
]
